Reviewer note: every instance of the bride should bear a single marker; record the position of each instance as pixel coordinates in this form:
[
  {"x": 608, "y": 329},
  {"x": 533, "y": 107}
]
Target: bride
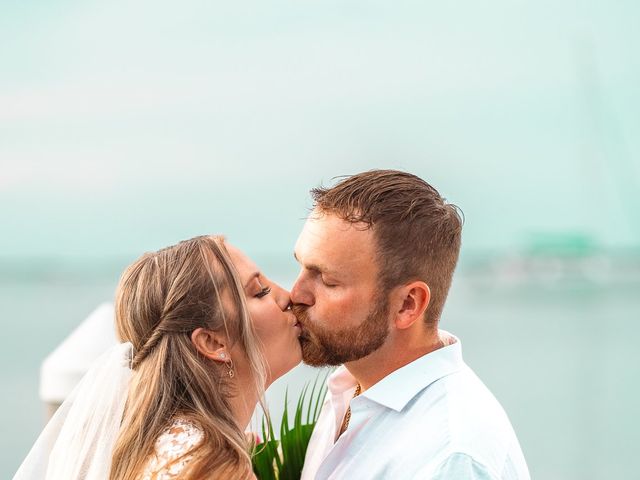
[{"x": 204, "y": 333}]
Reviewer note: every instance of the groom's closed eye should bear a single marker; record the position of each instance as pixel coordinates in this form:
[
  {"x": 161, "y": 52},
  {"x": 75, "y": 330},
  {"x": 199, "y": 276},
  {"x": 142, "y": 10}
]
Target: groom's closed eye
[{"x": 328, "y": 282}]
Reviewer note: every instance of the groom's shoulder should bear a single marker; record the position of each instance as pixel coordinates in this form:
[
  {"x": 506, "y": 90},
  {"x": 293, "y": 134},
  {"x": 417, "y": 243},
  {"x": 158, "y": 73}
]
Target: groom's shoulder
[
  {"x": 463, "y": 417},
  {"x": 464, "y": 409}
]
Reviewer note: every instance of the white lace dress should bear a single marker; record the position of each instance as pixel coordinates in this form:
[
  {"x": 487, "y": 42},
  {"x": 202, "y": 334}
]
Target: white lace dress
[{"x": 175, "y": 441}]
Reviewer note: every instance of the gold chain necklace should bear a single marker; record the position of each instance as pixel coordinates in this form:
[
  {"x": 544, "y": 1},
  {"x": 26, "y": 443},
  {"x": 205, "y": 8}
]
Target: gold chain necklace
[{"x": 347, "y": 416}]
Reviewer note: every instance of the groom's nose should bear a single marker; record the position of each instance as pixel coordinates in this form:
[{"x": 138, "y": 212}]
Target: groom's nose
[{"x": 300, "y": 292}]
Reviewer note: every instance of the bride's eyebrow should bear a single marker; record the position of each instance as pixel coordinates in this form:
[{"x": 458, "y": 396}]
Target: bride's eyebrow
[{"x": 252, "y": 277}]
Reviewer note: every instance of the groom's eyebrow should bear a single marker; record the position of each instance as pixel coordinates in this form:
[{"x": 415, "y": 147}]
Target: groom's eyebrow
[{"x": 313, "y": 267}]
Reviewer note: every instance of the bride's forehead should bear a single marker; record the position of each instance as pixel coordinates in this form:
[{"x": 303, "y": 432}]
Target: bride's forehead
[{"x": 244, "y": 265}]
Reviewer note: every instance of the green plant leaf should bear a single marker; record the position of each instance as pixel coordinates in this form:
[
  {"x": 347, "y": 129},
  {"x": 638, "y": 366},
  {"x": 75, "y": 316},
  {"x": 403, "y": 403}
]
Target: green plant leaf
[{"x": 283, "y": 459}]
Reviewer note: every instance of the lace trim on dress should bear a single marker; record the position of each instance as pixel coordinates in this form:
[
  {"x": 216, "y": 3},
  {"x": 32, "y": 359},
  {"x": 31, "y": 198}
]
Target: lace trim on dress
[{"x": 177, "y": 440}]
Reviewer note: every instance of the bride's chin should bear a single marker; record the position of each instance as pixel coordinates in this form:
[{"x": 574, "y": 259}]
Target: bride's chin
[
  {"x": 295, "y": 359},
  {"x": 293, "y": 362}
]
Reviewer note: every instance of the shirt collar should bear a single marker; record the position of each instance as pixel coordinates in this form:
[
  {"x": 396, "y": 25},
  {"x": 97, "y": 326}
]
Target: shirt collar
[
  {"x": 340, "y": 381},
  {"x": 398, "y": 388}
]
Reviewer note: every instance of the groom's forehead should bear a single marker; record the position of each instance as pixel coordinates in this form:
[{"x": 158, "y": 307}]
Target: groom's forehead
[
  {"x": 327, "y": 242},
  {"x": 320, "y": 227}
]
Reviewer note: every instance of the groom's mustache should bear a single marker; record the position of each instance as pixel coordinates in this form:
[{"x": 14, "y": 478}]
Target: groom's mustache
[{"x": 301, "y": 313}]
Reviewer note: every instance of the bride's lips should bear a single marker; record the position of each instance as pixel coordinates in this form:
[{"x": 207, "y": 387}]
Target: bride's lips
[
  {"x": 298, "y": 315},
  {"x": 296, "y": 323}
]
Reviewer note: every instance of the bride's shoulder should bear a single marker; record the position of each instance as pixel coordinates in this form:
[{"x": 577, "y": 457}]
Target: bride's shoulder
[{"x": 171, "y": 451}]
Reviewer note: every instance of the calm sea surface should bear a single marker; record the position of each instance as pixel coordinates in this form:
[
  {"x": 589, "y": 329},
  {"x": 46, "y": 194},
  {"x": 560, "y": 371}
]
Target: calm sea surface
[{"x": 560, "y": 354}]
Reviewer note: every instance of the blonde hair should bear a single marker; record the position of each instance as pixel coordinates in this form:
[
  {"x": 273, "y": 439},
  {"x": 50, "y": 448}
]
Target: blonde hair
[{"x": 161, "y": 299}]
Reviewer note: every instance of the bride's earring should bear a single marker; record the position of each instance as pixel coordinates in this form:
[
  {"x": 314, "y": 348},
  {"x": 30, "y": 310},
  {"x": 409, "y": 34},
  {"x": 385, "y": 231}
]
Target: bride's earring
[{"x": 228, "y": 363}]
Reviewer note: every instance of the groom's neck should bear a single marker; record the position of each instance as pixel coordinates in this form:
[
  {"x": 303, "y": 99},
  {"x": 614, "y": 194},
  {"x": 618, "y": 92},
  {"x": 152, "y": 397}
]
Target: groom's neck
[{"x": 399, "y": 350}]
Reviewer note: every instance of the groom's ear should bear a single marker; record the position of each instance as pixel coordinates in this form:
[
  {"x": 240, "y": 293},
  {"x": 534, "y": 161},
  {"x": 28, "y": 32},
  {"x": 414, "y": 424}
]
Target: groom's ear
[
  {"x": 210, "y": 344},
  {"x": 414, "y": 300}
]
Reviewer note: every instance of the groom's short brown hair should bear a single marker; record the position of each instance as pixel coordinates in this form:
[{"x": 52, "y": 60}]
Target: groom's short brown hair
[{"x": 417, "y": 233}]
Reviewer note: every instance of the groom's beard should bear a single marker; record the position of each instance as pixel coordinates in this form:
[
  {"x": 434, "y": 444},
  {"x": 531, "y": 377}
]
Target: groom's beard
[{"x": 322, "y": 346}]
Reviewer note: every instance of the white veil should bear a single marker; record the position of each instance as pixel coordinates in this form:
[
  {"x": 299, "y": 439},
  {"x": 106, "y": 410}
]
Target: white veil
[{"x": 77, "y": 442}]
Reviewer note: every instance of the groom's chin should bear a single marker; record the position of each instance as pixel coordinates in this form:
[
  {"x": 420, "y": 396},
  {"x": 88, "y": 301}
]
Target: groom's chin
[
  {"x": 317, "y": 362},
  {"x": 314, "y": 356}
]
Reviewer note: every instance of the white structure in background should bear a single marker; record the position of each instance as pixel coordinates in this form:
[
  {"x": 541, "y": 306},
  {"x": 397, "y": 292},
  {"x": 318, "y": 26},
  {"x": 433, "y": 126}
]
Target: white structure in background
[{"x": 64, "y": 367}]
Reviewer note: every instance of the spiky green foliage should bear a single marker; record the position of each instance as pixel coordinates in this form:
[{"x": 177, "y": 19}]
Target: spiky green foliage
[{"x": 282, "y": 459}]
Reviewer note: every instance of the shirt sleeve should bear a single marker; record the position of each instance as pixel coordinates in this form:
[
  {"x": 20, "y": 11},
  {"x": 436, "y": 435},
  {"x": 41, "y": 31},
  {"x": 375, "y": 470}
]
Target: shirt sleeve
[{"x": 459, "y": 466}]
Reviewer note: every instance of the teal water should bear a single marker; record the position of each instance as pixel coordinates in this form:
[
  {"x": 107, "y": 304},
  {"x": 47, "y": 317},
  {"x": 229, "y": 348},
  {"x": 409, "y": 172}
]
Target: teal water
[{"x": 560, "y": 353}]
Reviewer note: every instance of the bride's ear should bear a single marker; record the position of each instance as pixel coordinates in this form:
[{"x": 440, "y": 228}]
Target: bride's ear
[{"x": 210, "y": 344}]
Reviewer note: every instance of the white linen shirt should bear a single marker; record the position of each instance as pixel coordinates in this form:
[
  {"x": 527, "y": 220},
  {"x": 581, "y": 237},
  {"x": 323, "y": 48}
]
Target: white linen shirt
[{"x": 431, "y": 419}]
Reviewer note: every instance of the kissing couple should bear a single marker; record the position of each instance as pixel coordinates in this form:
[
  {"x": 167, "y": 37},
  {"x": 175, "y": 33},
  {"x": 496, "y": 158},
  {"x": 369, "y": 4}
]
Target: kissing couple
[{"x": 204, "y": 332}]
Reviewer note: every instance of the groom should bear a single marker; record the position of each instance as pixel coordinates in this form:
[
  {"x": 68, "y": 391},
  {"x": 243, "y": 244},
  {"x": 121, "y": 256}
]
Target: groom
[{"x": 377, "y": 255}]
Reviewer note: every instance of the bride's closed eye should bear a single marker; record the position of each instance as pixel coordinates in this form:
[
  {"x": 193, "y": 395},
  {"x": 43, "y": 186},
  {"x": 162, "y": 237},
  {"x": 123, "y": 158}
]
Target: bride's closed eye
[{"x": 264, "y": 291}]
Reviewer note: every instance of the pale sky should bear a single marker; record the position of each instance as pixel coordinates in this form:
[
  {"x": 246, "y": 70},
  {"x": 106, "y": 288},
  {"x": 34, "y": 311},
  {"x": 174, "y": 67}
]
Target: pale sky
[{"x": 125, "y": 126}]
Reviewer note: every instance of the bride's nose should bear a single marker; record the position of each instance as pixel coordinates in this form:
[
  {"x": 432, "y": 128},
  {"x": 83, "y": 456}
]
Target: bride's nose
[{"x": 282, "y": 296}]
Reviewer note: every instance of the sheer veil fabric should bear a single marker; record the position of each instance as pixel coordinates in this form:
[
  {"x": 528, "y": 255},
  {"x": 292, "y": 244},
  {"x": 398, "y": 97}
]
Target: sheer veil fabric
[{"x": 77, "y": 442}]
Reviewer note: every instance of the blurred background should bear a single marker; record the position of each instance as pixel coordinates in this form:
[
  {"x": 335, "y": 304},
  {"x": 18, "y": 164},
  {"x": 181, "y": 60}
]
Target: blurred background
[{"x": 128, "y": 126}]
